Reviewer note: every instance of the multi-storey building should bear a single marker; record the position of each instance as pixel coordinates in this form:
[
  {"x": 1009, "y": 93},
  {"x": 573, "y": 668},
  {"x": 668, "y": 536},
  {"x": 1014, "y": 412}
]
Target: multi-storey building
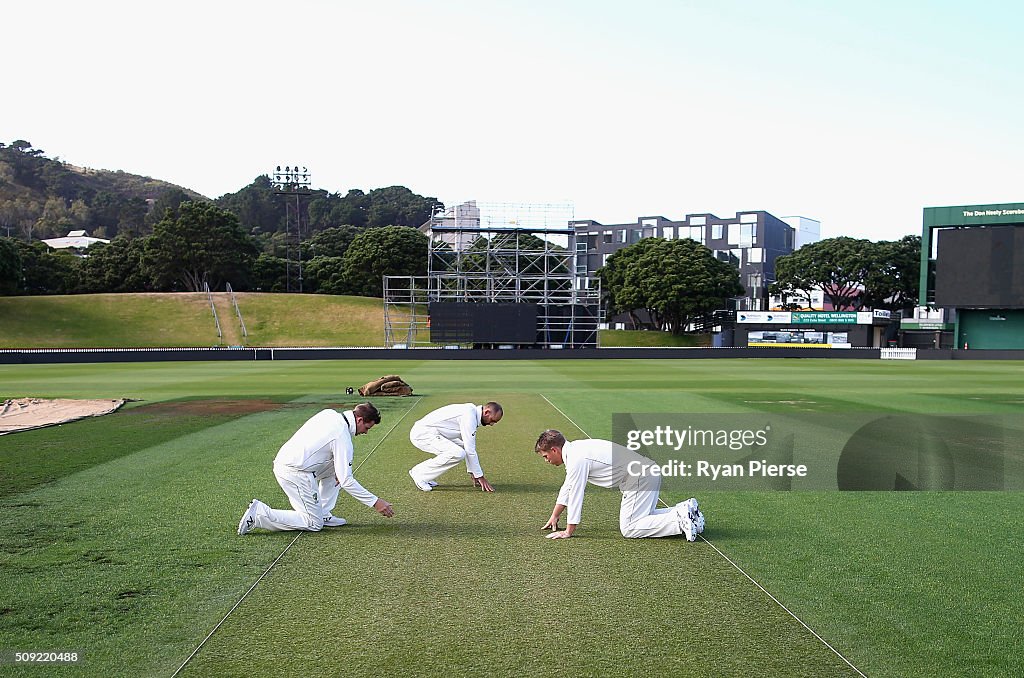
[{"x": 751, "y": 241}]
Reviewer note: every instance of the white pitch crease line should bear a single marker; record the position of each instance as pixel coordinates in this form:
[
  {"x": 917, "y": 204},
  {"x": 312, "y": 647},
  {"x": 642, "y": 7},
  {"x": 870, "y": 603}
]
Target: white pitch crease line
[
  {"x": 564, "y": 415},
  {"x": 418, "y": 398},
  {"x": 235, "y": 606},
  {"x": 738, "y": 568},
  {"x": 779, "y": 603},
  {"x": 279, "y": 557}
]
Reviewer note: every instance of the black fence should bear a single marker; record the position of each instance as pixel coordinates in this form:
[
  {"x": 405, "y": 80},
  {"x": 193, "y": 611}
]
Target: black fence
[{"x": 119, "y": 355}]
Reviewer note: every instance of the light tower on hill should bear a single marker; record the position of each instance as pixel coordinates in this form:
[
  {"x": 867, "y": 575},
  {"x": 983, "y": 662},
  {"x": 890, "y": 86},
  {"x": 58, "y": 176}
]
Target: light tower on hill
[{"x": 292, "y": 181}]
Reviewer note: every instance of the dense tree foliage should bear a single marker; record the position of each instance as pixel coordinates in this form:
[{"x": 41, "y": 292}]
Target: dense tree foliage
[
  {"x": 853, "y": 273},
  {"x": 10, "y": 266},
  {"x": 44, "y": 271},
  {"x": 677, "y": 282},
  {"x": 326, "y": 275},
  {"x": 376, "y": 252},
  {"x": 199, "y": 243},
  {"x": 257, "y": 207},
  {"x": 261, "y": 210},
  {"x": 838, "y": 266},
  {"x": 115, "y": 267},
  {"x": 42, "y": 197},
  {"x": 894, "y": 278},
  {"x": 331, "y": 242},
  {"x": 269, "y": 274}
]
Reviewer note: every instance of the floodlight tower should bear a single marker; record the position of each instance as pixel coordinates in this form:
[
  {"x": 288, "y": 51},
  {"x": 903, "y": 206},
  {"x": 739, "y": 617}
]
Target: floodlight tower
[{"x": 293, "y": 180}]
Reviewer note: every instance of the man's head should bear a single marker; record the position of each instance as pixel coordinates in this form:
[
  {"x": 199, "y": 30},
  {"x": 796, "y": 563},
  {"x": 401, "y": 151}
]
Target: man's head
[
  {"x": 366, "y": 416},
  {"x": 549, "y": 446},
  {"x": 491, "y": 414}
]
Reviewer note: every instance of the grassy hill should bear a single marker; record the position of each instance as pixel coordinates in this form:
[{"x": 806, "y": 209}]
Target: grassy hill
[
  {"x": 185, "y": 319},
  {"x": 632, "y": 338}
]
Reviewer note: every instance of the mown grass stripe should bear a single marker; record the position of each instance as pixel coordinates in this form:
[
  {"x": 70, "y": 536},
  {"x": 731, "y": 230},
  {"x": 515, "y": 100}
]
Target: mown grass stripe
[
  {"x": 730, "y": 561},
  {"x": 282, "y": 554}
]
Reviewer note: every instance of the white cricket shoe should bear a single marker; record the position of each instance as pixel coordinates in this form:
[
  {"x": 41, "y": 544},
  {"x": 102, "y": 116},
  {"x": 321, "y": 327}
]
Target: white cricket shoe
[
  {"x": 689, "y": 531},
  {"x": 422, "y": 484},
  {"x": 248, "y": 520},
  {"x": 682, "y": 511},
  {"x": 333, "y": 521},
  {"x": 695, "y": 515},
  {"x": 431, "y": 483}
]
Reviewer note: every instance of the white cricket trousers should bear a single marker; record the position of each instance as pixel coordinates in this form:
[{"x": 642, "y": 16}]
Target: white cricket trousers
[
  {"x": 447, "y": 454},
  {"x": 639, "y": 515},
  {"x": 312, "y": 499}
]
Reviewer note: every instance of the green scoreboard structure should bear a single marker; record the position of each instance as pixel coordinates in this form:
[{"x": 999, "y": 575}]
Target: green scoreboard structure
[{"x": 972, "y": 262}]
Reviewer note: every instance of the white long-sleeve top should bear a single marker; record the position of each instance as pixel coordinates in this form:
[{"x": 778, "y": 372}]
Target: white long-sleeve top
[
  {"x": 458, "y": 423},
  {"x": 600, "y": 462},
  {"x": 322, "y": 446}
]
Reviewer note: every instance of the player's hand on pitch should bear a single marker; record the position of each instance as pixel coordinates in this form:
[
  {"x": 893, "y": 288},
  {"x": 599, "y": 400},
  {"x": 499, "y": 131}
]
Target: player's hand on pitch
[
  {"x": 383, "y": 508},
  {"x": 552, "y": 525},
  {"x": 482, "y": 483},
  {"x": 562, "y": 534}
]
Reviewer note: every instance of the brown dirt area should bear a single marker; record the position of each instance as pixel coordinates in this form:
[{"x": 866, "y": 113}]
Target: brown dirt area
[{"x": 207, "y": 407}]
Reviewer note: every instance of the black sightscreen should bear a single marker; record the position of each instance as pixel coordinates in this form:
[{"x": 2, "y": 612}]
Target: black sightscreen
[
  {"x": 482, "y": 323},
  {"x": 980, "y": 267}
]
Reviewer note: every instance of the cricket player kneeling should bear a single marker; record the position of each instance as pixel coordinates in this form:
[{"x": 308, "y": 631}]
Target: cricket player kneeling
[
  {"x": 606, "y": 464},
  {"x": 449, "y": 434},
  {"x": 311, "y": 468}
]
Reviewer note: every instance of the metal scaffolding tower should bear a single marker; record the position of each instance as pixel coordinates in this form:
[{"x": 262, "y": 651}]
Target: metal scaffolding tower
[{"x": 499, "y": 253}]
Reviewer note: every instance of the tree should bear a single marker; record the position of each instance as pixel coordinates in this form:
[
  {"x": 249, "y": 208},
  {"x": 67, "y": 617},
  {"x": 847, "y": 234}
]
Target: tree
[
  {"x": 398, "y": 206},
  {"x": 331, "y": 242},
  {"x": 55, "y": 221},
  {"x": 257, "y": 206},
  {"x": 838, "y": 266},
  {"x": 170, "y": 199},
  {"x": 676, "y": 281},
  {"x": 351, "y": 209},
  {"x": 115, "y": 267},
  {"x": 326, "y": 275},
  {"x": 269, "y": 274},
  {"x": 44, "y": 271},
  {"x": 391, "y": 250},
  {"x": 10, "y": 266},
  {"x": 199, "y": 243},
  {"x": 893, "y": 281}
]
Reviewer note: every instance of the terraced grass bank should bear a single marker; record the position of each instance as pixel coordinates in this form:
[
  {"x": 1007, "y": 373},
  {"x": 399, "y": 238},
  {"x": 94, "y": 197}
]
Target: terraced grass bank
[{"x": 185, "y": 319}]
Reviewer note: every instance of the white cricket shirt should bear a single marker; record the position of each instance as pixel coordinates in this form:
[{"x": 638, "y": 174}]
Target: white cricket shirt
[
  {"x": 458, "y": 423},
  {"x": 323, "y": 446},
  {"x": 600, "y": 462}
]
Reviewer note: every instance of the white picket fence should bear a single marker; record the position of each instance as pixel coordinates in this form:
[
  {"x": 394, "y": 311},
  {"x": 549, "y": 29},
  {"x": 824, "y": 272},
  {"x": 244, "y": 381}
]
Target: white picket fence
[{"x": 899, "y": 354}]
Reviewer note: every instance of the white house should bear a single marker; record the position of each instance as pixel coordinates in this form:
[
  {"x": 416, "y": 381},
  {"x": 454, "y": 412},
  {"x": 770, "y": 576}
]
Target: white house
[{"x": 74, "y": 239}]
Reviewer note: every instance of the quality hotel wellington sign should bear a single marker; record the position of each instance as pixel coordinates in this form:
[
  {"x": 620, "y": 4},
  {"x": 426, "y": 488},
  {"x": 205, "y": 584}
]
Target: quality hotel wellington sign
[{"x": 805, "y": 317}]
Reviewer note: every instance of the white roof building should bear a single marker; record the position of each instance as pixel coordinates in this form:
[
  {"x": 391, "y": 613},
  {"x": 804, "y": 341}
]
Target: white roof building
[{"x": 75, "y": 239}]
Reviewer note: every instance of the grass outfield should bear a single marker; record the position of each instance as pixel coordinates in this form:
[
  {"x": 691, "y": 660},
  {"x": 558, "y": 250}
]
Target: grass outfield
[{"x": 119, "y": 533}]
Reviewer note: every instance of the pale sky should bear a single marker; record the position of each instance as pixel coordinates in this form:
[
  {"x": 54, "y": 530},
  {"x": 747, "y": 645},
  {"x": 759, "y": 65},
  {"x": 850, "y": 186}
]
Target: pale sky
[{"x": 858, "y": 114}]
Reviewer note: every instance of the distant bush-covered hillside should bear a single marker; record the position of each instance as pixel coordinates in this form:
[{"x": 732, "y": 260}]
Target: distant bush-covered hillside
[{"x": 43, "y": 197}]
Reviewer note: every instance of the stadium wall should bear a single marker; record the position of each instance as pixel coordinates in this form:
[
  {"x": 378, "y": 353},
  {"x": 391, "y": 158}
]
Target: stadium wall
[{"x": 51, "y": 356}]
